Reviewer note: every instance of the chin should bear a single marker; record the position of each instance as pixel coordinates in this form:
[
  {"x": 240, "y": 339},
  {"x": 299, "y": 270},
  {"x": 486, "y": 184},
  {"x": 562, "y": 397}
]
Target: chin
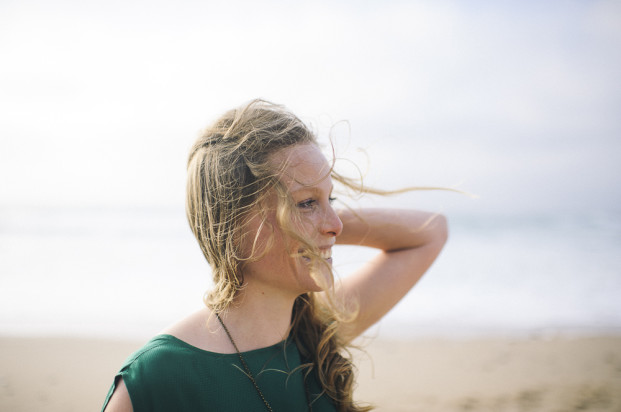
[
  {"x": 320, "y": 281},
  {"x": 315, "y": 279}
]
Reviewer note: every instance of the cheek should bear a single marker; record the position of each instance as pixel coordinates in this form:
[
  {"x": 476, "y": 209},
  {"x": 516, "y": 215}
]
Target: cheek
[
  {"x": 305, "y": 226},
  {"x": 282, "y": 246},
  {"x": 259, "y": 237}
]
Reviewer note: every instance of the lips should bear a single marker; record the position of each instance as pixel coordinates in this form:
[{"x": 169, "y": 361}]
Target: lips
[{"x": 324, "y": 252}]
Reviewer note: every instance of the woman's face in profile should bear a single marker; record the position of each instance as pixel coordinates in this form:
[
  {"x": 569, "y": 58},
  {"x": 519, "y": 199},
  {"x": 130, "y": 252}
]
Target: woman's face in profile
[{"x": 306, "y": 176}]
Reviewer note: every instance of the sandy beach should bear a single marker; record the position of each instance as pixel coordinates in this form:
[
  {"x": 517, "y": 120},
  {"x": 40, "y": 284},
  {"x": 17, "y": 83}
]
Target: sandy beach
[{"x": 535, "y": 374}]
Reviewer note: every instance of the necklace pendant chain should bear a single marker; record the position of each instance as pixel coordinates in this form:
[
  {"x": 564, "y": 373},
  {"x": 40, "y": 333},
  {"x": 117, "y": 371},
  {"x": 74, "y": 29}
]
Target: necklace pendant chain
[{"x": 243, "y": 362}]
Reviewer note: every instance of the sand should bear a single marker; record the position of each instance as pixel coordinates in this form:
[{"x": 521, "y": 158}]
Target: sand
[
  {"x": 535, "y": 374},
  {"x": 494, "y": 375}
]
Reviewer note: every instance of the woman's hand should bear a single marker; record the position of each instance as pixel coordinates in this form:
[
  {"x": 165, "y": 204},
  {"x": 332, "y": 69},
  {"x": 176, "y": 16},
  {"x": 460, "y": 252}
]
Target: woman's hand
[{"x": 409, "y": 241}]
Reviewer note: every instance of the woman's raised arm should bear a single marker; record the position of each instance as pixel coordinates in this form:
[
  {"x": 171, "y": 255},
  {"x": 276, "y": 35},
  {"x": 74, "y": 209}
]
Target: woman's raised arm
[{"x": 409, "y": 242}]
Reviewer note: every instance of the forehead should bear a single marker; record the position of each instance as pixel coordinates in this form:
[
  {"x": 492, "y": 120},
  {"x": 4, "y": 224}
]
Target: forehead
[{"x": 302, "y": 165}]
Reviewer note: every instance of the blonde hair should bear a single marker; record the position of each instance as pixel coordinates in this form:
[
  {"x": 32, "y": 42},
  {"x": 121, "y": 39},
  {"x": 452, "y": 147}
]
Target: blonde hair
[{"x": 229, "y": 174}]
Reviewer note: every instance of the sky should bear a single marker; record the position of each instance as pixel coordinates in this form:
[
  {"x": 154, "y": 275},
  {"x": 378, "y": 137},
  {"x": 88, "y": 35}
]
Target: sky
[{"x": 518, "y": 102}]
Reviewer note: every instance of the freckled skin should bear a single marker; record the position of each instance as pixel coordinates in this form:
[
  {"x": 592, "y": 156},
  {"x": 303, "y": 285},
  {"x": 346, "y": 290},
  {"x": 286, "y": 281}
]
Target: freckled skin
[{"x": 307, "y": 177}]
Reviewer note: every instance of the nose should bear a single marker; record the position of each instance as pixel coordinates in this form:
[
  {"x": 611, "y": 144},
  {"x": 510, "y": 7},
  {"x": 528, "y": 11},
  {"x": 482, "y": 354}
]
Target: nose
[{"x": 331, "y": 225}]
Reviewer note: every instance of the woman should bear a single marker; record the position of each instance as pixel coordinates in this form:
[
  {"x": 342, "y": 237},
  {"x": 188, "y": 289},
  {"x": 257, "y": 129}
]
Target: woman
[{"x": 275, "y": 328}]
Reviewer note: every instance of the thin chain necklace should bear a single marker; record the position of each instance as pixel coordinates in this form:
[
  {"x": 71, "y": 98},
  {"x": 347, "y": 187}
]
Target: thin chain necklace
[{"x": 251, "y": 376}]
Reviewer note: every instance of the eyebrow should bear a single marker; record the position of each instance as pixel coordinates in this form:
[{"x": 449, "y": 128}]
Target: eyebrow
[{"x": 311, "y": 189}]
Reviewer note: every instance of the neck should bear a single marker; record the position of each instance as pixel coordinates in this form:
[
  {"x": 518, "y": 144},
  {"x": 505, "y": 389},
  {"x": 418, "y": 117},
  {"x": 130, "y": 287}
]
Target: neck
[{"x": 258, "y": 317}]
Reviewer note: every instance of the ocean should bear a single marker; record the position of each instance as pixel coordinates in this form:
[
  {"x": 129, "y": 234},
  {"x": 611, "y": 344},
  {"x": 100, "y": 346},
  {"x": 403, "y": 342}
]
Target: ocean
[{"x": 127, "y": 273}]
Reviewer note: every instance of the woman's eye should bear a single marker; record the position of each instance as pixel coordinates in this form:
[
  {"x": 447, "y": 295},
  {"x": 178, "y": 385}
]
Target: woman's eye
[
  {"x": 307, "y": 204},
  {"x": 332, "y": 199}
]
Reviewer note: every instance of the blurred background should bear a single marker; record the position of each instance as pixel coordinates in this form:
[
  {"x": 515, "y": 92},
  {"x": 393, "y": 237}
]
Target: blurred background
[{"x": 517, "y": 102}]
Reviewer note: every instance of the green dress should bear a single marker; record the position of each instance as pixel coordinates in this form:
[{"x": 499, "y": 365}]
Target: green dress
[{"x": 168, "y": 374}]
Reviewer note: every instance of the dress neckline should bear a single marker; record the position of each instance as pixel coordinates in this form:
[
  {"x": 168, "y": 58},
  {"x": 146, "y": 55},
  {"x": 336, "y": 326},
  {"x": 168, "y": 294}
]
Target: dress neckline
[{"x": 278, "y": 345}]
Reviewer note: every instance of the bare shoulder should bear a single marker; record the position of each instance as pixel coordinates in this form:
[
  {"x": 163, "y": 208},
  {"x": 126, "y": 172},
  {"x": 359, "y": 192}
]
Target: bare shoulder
[
  {"x": 199, "y": 330},
  {"x": 120, "y": 401},
  {"x": 191, "y": 328}
]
